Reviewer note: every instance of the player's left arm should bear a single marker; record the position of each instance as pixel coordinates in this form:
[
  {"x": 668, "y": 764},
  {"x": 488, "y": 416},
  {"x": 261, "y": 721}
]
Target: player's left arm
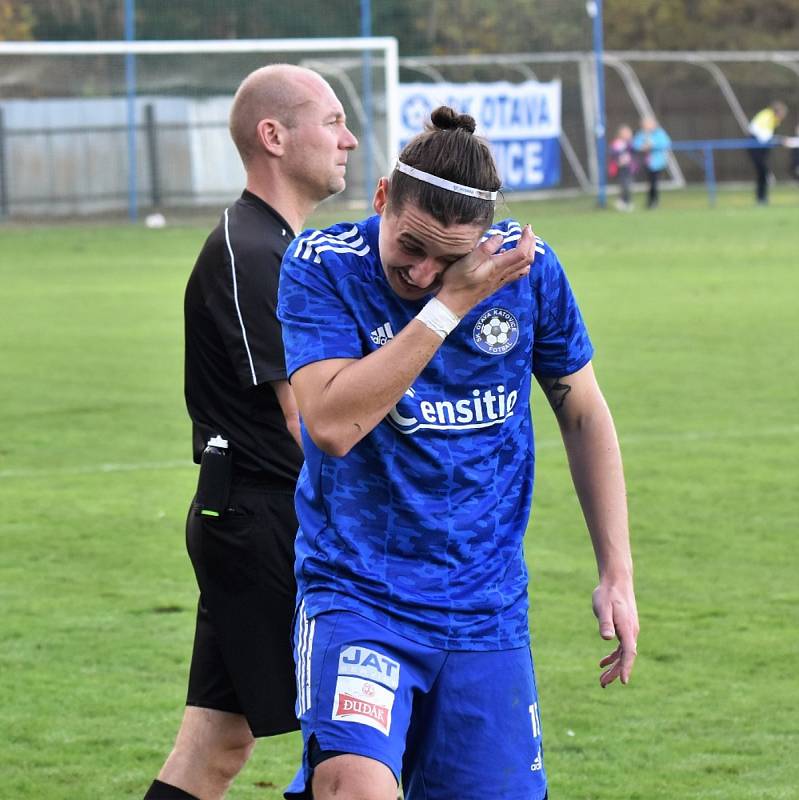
[{"x": 596, "y": 468}]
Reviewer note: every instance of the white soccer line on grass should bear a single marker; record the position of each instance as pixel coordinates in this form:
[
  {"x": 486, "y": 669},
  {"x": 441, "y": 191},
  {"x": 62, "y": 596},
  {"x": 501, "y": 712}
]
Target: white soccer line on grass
[
  {"x": 94, "y": 469},
  {"x": 626, "y": 440},
  {"x": 688, "y": 436}
]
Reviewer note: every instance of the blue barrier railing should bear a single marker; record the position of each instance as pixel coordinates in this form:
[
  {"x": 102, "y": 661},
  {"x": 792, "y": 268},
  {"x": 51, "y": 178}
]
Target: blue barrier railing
[{"x": 706, "y": 148}]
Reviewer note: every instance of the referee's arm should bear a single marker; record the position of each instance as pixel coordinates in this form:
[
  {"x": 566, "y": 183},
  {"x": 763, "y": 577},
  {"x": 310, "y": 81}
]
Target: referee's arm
[{"x": 288, "y": 405}]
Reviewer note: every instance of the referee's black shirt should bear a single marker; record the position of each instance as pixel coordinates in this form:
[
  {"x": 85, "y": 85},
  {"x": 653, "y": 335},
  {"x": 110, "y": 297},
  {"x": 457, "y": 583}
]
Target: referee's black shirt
[{"x": 233, "y": 342}]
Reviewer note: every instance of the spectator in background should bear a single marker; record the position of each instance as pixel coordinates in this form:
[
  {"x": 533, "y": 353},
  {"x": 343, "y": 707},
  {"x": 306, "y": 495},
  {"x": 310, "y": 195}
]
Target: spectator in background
[
  {"x": 762, "y": 128},
  {"x": 654, "y": 143},
  {"x": 621, "y": 166}
]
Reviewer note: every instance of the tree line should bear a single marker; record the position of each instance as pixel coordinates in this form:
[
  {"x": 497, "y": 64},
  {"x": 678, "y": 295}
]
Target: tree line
[{"x": 425, "y": 26}]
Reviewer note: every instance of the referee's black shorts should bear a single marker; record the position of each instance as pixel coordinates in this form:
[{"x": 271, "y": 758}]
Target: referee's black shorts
[{"x": 244, "y": 563}]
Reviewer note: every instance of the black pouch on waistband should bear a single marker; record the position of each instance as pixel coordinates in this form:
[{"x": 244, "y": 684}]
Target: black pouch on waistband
[{"x": 213, "y": 484}]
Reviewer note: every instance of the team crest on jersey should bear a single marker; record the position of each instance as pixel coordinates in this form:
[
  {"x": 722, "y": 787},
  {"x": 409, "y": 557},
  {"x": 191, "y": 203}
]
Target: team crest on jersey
[{"x": 496, "y": 332}]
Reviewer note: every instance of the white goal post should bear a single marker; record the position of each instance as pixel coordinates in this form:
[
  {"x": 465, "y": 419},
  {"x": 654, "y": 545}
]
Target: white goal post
[{"x": 49, "y": 124}]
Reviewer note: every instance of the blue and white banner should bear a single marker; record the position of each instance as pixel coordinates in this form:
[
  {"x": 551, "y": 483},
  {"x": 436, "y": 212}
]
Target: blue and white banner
[{"x": 521, "y": 121}]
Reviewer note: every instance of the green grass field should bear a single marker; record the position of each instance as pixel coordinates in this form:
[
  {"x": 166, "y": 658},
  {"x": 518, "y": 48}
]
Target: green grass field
[{"x": 693, "y": 313}]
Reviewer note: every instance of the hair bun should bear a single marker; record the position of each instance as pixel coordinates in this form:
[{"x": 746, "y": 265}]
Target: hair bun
[{"x": 446, "y": 118}]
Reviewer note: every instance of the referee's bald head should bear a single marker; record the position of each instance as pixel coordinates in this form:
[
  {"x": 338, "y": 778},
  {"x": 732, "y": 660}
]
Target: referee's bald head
[{"x": 277, "y": 92}]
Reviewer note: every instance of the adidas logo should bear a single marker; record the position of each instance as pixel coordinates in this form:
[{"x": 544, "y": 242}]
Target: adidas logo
[
  {"x": 382, "y": 334},
  {"x": 537, "y": 765}
]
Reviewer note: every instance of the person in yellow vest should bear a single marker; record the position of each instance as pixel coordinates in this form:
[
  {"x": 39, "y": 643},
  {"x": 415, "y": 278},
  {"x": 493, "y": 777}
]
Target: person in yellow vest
[{"x": 762, "y": 128}]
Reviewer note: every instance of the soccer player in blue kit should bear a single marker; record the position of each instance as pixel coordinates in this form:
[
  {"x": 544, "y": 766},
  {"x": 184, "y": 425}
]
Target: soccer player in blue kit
[{"x": 411, "y": 342}]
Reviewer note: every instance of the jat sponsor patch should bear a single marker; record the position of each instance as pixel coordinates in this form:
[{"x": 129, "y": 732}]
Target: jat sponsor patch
[
  {"x": 370, "y": 664},
  {"x": 363, "y": 701}
]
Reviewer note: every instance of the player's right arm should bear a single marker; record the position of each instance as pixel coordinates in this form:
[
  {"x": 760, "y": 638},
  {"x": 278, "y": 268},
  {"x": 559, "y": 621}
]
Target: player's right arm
[{"x": 342, "y": 399}]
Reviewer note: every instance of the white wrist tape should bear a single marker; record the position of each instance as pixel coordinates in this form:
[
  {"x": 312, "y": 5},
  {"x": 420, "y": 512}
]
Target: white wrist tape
[{"x": 438, "y": 318}]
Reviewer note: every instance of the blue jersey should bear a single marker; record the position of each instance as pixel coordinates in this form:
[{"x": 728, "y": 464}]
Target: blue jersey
[{"x": 420, "y": 526}]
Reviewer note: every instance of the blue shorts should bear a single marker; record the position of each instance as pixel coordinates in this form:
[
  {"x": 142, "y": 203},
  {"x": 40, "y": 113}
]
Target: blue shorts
[{"x": 447, "y": 723}]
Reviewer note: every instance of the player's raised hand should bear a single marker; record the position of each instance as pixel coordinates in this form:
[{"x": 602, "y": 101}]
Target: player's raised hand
[
  {"x": 478, "y": 275},
  {"x": 615, "y": 609}
]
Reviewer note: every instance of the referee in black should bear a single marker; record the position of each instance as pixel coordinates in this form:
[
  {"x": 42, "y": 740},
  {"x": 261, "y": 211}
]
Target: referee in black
[{"x": 290, "y": 130}]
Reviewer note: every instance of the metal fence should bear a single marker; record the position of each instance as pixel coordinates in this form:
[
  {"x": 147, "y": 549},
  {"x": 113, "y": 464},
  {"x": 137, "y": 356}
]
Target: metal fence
[{"x": 64, "y": 145}]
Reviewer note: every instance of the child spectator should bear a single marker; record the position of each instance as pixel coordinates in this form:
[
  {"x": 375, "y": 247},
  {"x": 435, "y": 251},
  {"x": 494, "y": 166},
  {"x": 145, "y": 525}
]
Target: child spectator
[{"x": 621, "y": 166}]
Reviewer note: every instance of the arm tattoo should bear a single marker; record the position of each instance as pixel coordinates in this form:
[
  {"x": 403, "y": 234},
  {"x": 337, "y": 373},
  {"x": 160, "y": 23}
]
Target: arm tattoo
[{"x": 556, "y": 393}]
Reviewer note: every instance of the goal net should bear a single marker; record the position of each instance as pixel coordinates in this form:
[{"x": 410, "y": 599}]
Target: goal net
[{"x": 116, "y": 127}]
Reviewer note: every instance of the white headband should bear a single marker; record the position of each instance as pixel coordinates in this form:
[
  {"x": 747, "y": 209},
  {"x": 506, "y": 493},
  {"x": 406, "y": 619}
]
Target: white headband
[{"x": 450, "y": 186}]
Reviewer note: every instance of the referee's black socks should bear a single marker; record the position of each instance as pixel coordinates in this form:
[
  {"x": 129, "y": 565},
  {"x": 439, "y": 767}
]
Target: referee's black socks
[{"x": 163, "y": 791}]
